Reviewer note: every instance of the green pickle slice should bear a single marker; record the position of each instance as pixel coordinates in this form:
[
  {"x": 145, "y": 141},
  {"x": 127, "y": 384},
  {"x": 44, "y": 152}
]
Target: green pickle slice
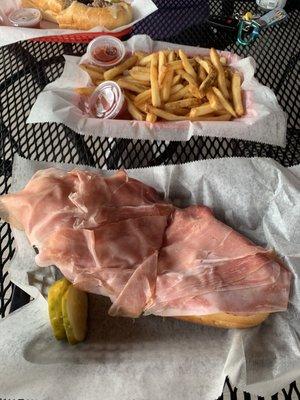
[
  {"x": 75, "y": 311},
  {"x": 55, "y": 295}
]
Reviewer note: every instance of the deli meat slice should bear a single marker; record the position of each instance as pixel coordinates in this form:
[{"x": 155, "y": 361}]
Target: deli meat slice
[
  {"x": 103, "y": 233},
  {"x": 206, "y": 267},
  {"x": 115, "y": 236}
]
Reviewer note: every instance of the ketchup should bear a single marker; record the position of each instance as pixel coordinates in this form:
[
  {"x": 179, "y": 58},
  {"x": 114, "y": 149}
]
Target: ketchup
[
  {"x": 106, "y": 51},
  {"x": 107, "y": 101},
  {"x": 106, "y": 54}
]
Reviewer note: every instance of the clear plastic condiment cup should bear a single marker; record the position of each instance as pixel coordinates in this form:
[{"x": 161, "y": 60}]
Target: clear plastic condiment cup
[
  {"x": 107, "y": 101},
  {"x": 25, "y": 18},
  {"x": 106, "y": 51}
]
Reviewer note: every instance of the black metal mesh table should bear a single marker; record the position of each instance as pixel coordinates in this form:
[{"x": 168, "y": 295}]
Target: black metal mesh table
[{"x": 26, "y": 67}]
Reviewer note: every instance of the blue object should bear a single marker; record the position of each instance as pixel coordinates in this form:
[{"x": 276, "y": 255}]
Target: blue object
[{"x": 248, "y": 31}]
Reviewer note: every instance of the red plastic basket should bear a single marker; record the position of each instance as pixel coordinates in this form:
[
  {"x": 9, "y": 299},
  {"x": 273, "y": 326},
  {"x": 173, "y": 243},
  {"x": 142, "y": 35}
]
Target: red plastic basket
[{"x": 80, "y": 37}]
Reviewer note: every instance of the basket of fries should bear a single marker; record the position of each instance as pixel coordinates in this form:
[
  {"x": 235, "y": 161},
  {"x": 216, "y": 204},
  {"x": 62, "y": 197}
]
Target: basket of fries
[
  {"x": 171, "y": 92},
  {"x": 169, "y": 85}
]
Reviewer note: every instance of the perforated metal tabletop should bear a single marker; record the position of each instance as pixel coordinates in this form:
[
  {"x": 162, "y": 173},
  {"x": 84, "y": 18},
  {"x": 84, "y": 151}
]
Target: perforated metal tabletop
[{"x": 26, "y": 67}]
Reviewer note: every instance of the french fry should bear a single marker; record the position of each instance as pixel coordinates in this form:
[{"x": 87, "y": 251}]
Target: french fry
[
  {"x": 178, "y": 64},
  {"x": 220, "y": 112},
  {"x": 187, "y": 65},
  {"x": 97, "y": 82},
  {"x": 143, "y": 97},
  {"x": 171, "y": 56},
  {"x": 182, "y": 93},
  {"x": 187, "y": 77},
  {"x": 164, "y": 70},
  {"x": 227, "y": 72},
  {"x": 228, "y": 85},
  {"x": 213, "y": 100},
  {"x": 161, "y": 67},
  {"x": 203, "y": 109},
  {"x": 207, "y": 65},
  {"x": 201, "y": 73},
  {"x": 133, "y": 87},
  {"x": 146, "y": 60},
  {"x": 176, "y": 88},
  {"x": 176, "y": 80},
  {"x": 162, "y": 75},
  {"x": 138, "y": 68},
  {"x": 129, "y": 78},
  {"x": 215, "y": 59},
  {"x": 212, "y": 117},
  {"x": 167, "y": 84},
  {"x": 95, "y": 74},
  {"x": 179, "y": 111},
  {"x": 185, "y": 103},
  {"x": 151, "y": 118},
  {"x": 236, "y": 90},
  {"x": 188, "y": 95},
  {"x": 224, "y": 102},
  {"x": 193, "y": 89},
  {"x": 140, "y": 73},
  {"x": 136, "y": 114},
  {"x": 164, "y": 114},
  {"x": 140, "y": 55},
  {"x": 143, "y": 107},
  {"x": 211, "y": 75},
  {"x": 85, "y": 91},
  {"x": 223, "y": 61},
  {"x": 154, "y": 81},
  {"x": 129, "y": 94},
  {"x": 91, "y": 67},
  {"x": 111, "y": 73}
]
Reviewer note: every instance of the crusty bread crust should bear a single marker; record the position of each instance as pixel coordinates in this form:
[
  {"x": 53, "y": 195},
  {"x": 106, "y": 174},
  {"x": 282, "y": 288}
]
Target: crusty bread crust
[
  {"x": 225, "y": 320},
  {"x": 80, "y": 16}
]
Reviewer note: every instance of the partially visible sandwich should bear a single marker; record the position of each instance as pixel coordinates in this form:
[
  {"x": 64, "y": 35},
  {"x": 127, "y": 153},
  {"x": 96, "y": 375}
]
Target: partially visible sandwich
[
  {"x": 115, "y": 236},
  {"x": 109, "y": 15},
  {"x": 84, "y": 14}
]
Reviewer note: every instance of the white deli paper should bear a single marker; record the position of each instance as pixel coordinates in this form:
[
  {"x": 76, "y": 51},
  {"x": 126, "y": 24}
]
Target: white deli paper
[
  {"x": 264, "y": 121},
  {"x": 152, "y": 357},
  {"x": 10, "y": 34}
]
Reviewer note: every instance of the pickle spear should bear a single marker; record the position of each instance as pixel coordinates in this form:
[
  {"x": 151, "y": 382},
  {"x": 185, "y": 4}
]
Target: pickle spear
[
  {"x": 55, "y": 295},
  {"x": 75, "y": 310}
]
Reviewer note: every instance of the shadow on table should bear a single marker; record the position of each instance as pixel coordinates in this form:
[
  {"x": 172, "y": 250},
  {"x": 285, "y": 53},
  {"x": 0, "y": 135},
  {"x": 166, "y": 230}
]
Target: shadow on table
[{"x": 113, "y": 340}]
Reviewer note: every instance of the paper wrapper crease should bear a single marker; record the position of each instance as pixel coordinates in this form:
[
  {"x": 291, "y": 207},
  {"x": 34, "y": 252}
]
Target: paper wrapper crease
[
  {"x": 11, "y": 34},
  {"x": 264, "y": 121},
  {"x": 153, "y": 357}
]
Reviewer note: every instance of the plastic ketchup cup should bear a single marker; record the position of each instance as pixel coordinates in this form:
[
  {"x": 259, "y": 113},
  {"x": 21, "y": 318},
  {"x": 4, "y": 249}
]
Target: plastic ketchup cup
[
  {"x": 26, "y": 18},
  {"x": 107, "y": 101},
  {"x": 106, "y": 51}
]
